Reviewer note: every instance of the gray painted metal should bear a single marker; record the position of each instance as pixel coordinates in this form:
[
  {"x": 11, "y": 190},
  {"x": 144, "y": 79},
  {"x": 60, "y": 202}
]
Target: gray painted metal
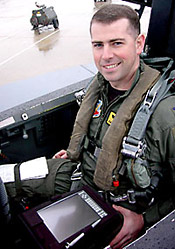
[{"x": 25, "y": 99}]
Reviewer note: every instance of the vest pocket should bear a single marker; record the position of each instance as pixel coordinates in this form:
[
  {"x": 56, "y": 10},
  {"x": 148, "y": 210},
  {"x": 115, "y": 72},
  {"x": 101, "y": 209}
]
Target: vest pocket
[{"x": 138, "y": 172}]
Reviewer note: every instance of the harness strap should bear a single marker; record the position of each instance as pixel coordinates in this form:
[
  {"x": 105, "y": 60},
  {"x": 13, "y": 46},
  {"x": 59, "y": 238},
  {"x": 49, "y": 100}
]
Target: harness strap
[
  {"x": 76, "y": 178},
  {"x": 91, "y": 147},
  {"x": 133, "y": 144}
]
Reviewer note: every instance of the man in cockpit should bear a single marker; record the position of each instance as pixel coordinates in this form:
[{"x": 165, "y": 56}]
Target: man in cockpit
[{"x": 104, "y": 119}]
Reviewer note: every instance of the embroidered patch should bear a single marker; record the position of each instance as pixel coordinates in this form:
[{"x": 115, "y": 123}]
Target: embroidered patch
[
  {"x": 110, "y": 118},
  {"x": 97, "y": 109}
]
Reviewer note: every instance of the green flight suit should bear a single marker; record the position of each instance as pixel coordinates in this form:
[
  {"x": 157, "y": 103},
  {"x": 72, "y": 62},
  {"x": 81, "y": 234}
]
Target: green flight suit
[{"x": 160, "y": 139}]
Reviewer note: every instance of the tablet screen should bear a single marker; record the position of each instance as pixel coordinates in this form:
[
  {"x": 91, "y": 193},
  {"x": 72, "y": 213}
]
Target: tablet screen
[{"x": 71, "y": 214}]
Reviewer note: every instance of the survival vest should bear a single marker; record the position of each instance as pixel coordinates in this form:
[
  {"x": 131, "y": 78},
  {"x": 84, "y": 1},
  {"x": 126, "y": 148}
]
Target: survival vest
[{"x": 110, "y": 156}]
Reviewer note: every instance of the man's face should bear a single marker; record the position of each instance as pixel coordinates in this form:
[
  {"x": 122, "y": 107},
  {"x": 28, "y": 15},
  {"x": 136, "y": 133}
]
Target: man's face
[{"x": 116, "y": 50}]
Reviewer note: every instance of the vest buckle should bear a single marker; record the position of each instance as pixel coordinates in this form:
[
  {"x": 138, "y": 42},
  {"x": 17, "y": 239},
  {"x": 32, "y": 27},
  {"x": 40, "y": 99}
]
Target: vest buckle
[
  {"x": 77, "y": 174},
  {"x": 132, "y": 149},
  {"x": 129, "y": 196}
]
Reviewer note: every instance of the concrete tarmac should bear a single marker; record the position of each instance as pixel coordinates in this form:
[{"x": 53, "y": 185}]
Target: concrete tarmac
[{"x": 25, "y": 54}]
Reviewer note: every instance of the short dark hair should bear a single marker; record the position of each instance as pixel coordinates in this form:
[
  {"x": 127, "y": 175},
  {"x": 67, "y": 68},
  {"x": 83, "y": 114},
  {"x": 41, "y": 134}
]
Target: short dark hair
[{"x": 113, "y": 12}]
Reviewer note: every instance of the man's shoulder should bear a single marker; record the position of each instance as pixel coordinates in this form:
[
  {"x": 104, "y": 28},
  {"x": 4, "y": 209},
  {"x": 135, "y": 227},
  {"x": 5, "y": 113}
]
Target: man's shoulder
[
  {"x": 164, "y": 114},
  {"x": 167, "y": 104}
]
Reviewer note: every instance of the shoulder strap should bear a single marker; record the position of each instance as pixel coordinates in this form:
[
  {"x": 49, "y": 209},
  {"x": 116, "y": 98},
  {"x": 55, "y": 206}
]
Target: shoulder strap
[{"x": 133, "y": 143}]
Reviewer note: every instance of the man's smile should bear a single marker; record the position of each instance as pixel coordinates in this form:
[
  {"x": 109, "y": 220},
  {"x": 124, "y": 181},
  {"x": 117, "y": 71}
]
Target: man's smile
[{"x": 111, "y": 66}]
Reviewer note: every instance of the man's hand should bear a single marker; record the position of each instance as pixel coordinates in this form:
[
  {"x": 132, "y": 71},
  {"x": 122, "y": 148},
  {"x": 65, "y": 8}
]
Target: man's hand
[
  {"x": 61, "y": 154},
  {"x": 132, "y": 226}
]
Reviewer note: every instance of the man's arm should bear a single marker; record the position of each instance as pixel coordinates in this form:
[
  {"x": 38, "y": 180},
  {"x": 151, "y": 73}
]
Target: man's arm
[
  {"x": 158, "y": 211},
  {"x": 135, "y": 223}
]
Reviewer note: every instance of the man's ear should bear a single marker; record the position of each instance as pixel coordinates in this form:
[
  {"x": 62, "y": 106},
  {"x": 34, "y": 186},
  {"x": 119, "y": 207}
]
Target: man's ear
[{"x": 140, "y": 42}]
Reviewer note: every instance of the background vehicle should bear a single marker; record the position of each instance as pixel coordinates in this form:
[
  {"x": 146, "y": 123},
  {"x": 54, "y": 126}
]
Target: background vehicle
[{"x": 44, "y": 16}]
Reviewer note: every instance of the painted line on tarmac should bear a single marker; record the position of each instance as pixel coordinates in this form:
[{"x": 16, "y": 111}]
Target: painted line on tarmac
[
  {"x": 12, "y": 35},
  {"x": 24, "y": 50}
]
